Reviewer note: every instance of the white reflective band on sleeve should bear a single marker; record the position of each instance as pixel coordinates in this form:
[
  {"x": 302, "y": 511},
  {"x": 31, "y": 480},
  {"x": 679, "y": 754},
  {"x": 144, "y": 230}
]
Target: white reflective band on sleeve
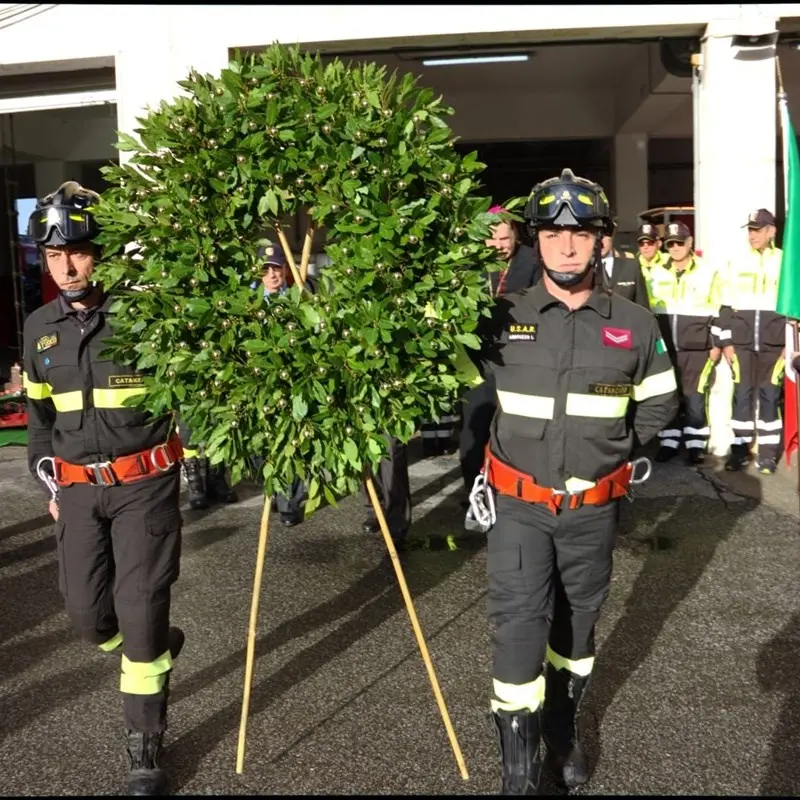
[
  {"x": 596, "y": 405},
  {"x": 772, "y": 438},
  {"x": 655, "y": 385},
  {"x": 526, "y": 405},
  {"x": 775, "y": 425},
  {"x": 670, "y": 433},
  {"x": 716, "y": 330},
  {"x": 695, "y": 444},
  {"x": 723, "y": 335},
  {"x": 670, "y": 443}
]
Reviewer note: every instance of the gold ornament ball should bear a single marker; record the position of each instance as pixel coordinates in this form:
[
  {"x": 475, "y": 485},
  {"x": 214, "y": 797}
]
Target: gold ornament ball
[
  {"x": 292, "y": 341},
  {"x": 346, "y": 333},
  {"x": 203, "y": 393},
  {"x": 329, "y": 399},
  {"x": 465, "y": 251},
  {"x": 378, "y": 352},
  {"x": 220, "y": 304},
  {"x": 193, "y": 281},
  {"x": 204, "y": 344},
  {"x": 216, "y": 354},
  {"x": 320, "y": 370},
  {"x": 265, "y": 409},
  {"x": 401, "y": 184},
  {"x": 164, "y": 273},
  {"x": 430, "y": 322},
  {"x": 270, "y": 95},
  {"x": 278, "y": 178},
  {"x": 308, "y": 117},
  {"x": 282, "y": 402},
  {"x": 365, "y": 103},
  {"x": 284, "y": 375},
  {"x": 171, "y": 373},
  {"x": 323, "y": 167},
  {"x": 300, "y": 182},
  {"x": 191, "y": 130},
  {"x": 447, "y": 191},
  {"x": 454, "y": 282},
  {"x": 353, "y": 173},
  {"x": 415, "y": 118},
  {"x": 459, "y": 231},
  {"x": 348, "y": 430},
  {"x": 397, "y": 276},
  {"x": 252, "y": 126},
  {"x": 190, "y": 325},
  {"x": 253, "y": 81},
  {"x": 241, "y": 159},
  {"x": 256, "y": 371},
  {"x": 192, "y": 201},
  {"x": 387, "y": 112},
  {"x": 217, "y": 383},
  {"x": 273, "y": 131},
  {"x": 226, "y": 323},
  {"x": 176, "y": 308},
  {"x": 204, "y": 229},
  {"x": 382, "y": 142},
  {"x": 359, "y": 219},
  {"x": 349, "y": 271},
  {"x": 182, "y": 344},
  {"x": 335, "y": 210},
  {"x": 219, "y": 91},
  {"x": 413, "y": 239},
  {"x": 212, "y": 142},
  {"x": 212, "y": 258},
  {"x": 261, "y": 313},
  {"x": 386, "y": 172},
  {"x": 326, "y": 129},
  {"x": 345, "y": 251},
  {"x": 445, "y": 176},
  {"x": 327, "y": 308},
  {"x": 220, "y": 173},
  {"x": 358, "y": 134},
  {"x": 156, "y": 240},
  {"x": 153, "y": 345},
  {"x": 176, "y": 226},
  {"x": 234, "y": 424}
]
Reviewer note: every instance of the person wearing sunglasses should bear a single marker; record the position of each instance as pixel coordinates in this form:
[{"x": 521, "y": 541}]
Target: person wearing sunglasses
[
  {"x": 685, "y": 297},
  {"x": 112, "y": 474}
]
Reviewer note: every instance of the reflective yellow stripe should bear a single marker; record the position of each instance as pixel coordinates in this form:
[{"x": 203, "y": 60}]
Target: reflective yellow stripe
[
  {"x": 36, "y": 391},
  {"x": 188, "y": 453},
  {"x": 145, "y": 678},
  {"x": 777, "y": 372},
  {"x": 114, "y": 398},
  {"x": 526, "y": 405},
  {"x": 580, "y": 667},
  {"x": 112, "y": 644},
  {"x": 654, "y": 385},
  {"x": 516, "y": 697},
  {"x": 68, "y": 401},
  {"x": 704, "y": 376},
  {"x": 596, "y": 405}
]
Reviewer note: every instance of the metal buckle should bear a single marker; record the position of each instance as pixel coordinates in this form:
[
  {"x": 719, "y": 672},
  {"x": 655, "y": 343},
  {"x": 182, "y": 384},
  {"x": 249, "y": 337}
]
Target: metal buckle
[
  {"x": 638, "y": 462},
  {"x": 161, "y": 448},
  {"x": 103, "y": 474}
]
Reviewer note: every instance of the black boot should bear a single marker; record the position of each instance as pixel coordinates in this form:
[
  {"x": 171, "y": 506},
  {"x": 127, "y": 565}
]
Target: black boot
[
  {"x": 739, "y": 458},
  {"x": 197, "y": 487},
  {"x": 217, "y": 486},
  {"x": 562, "y": 699},
  {"x": 146, "y": 778},
  {"x": 518, "y": 732}
]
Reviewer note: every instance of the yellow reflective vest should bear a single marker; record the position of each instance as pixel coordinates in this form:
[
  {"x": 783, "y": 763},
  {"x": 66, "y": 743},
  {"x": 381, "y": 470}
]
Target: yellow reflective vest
[
  {"x": 686, "y": 303},
  {"x": 749, "y": 295}
]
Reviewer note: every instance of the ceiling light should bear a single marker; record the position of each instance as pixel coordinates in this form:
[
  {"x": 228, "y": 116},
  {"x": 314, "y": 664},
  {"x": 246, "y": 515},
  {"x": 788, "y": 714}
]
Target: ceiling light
[
  {"x": 48, "y": 102},
  {"x": 441, "y": 62}
]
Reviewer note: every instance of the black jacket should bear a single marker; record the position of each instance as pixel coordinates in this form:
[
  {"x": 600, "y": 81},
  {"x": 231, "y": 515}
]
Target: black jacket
[
  {"x": 522, "y": 273},
  {"x": 574, "y": 386},
  {"x": 627, "y": 280},
  {"x": 76, "y": 398}
]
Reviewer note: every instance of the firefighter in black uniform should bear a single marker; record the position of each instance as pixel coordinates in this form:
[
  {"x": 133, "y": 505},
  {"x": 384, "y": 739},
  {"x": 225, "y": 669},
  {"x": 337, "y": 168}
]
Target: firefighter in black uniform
[
  {"x": 622, "y": 273},
  {"x": 113, "y": 476},
  {"x": 206, "y": 482},
  {"x": 582, "y": 376}
]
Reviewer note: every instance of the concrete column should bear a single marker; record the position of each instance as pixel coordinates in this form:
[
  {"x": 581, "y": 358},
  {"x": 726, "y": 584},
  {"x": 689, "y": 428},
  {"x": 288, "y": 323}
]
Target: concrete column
[
  {"x": 158, "y": 54},
  {"x": 630, "y": 192},
  {"x": 49, "y": 175},
  {"x": 735, "y": 161},
  {"x": 737, "y": 136}
]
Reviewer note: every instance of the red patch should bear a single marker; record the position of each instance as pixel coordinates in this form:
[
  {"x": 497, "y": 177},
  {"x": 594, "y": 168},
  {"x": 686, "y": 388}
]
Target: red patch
[{"x": 618, "y": 337}]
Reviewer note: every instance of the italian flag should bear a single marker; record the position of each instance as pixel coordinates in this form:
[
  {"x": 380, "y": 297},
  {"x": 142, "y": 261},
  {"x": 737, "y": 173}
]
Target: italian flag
[{"x": 789, "y": 287}]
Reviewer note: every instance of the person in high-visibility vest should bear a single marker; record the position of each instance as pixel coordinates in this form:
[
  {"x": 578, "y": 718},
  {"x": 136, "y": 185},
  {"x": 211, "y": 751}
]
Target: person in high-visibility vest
[
  {"x": 751, "y": 336},
  {"x": 685, "y": 297},
  {"x": 650, "y": 252}
]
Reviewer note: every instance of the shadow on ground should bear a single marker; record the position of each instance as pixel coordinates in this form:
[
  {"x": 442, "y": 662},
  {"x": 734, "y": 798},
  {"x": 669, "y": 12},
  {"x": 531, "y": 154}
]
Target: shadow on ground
[{"x": 683, "y": 537}]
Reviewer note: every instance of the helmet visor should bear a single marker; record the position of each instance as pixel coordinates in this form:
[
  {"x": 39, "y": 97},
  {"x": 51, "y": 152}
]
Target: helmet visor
[
  {"x": 71, "y": 225},
  {"x": 586, "y": 206}
]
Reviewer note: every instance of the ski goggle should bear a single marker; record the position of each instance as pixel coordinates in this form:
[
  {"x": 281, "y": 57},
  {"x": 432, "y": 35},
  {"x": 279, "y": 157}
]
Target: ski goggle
[
  {"x": 585, "y": 205},
  {"x": 70, "y": 225}
]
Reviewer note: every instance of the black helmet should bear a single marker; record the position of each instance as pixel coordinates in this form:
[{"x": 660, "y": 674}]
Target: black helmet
[
  {"x": 568, "y": 200},
  {"x": 65, "y": 216}
]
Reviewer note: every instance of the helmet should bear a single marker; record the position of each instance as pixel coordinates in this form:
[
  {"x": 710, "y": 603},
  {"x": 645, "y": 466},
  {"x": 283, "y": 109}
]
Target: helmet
[
  {"x": 568, "y": 200},
  {"x": 65, "y": 216}
]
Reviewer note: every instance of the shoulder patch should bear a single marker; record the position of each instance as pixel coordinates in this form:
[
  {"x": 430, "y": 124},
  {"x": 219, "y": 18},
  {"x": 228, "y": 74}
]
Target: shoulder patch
[{"x": 46, "y": 342}]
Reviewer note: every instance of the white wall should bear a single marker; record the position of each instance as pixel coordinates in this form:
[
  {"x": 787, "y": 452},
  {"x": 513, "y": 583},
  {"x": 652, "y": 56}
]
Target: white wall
[{"x": 104, "y": 29}]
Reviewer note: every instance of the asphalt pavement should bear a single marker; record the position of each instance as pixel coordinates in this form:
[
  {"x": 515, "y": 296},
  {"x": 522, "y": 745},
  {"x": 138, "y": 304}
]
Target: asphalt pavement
[{"x": 695, "y": 689}]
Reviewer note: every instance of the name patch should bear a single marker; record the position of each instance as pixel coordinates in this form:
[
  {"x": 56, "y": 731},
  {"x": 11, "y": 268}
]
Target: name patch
[
  {"x": 618, "y": 337},
  {"x": 125, "y": 381},
  {"x": 611, "y": 389},
  {"x": 521, "y": 332},
  {"x": 46, "y": 342}
]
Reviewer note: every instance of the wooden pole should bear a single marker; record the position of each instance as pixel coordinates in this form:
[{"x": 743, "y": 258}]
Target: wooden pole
[
  {"x": 306, "y": 254},
  {"x": 251, "y": 634},
  {"x": 290, "y": 258},
  {"x": 423, "y": 648}
]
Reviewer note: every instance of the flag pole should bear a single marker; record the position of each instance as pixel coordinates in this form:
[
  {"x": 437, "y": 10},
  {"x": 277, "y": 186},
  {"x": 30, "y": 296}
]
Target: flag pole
[{"x": 794, "y": 325}]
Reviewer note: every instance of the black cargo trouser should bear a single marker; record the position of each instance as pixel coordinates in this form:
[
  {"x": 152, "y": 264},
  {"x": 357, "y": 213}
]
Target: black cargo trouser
[
  {"x": 754, "y": 374},
  {"x": 477, "y": 411},
  {"x": 549, "y": 576},
  {"x": 393, "y": 489},
  {"x": 119, "y": 551},
  {"x": 691, "y": 423},
  {"x": 292, "y": 504}
]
